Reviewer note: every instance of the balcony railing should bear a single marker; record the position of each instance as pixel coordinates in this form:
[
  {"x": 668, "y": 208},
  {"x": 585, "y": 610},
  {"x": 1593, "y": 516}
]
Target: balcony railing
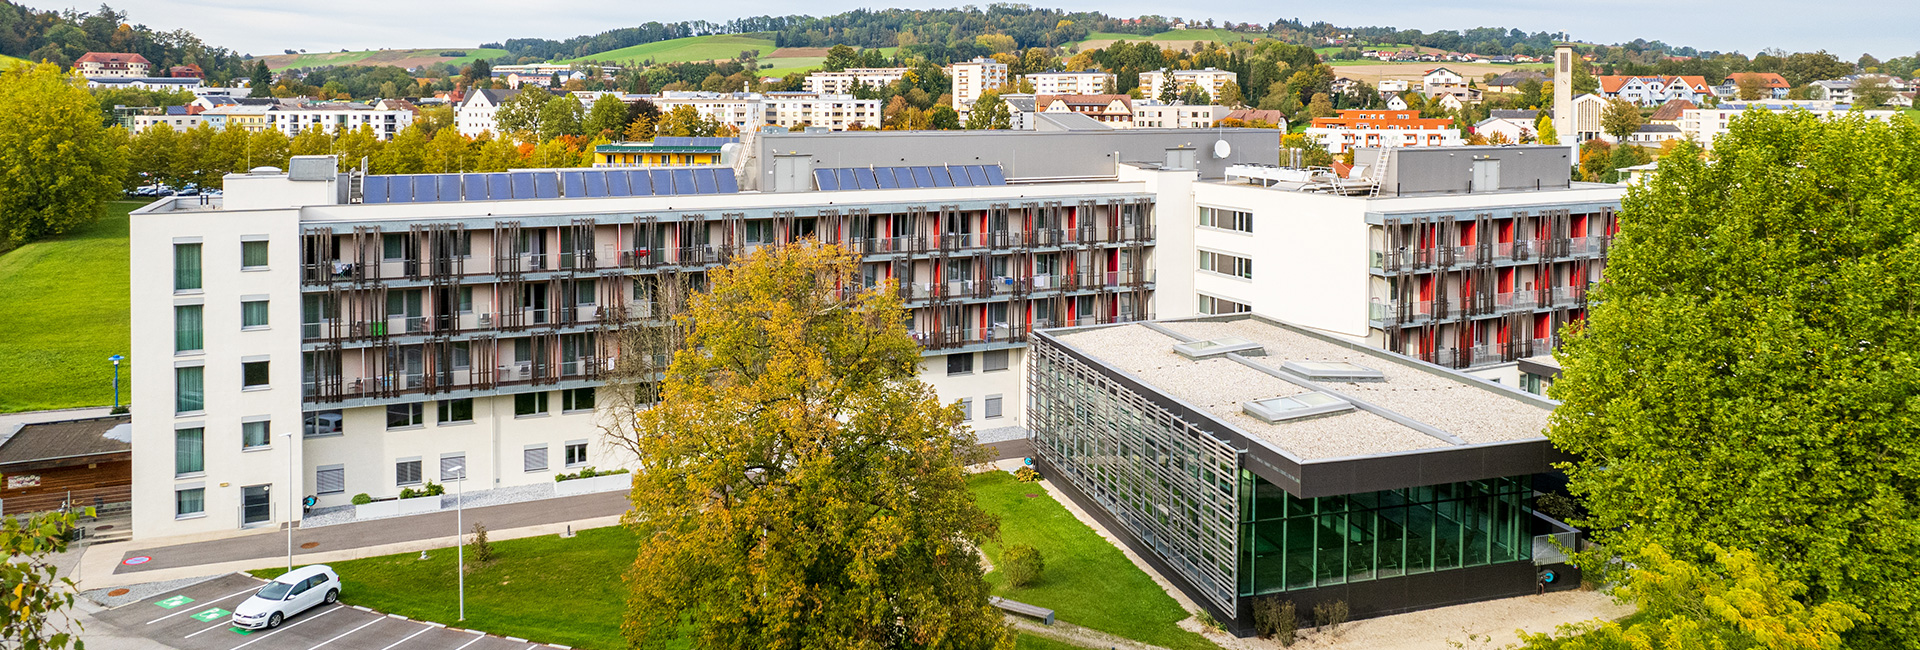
[
  {"x": 466, "y": 322},
  {"x": 401, "y": 384},
  {"x": 1517, "y": 251}
]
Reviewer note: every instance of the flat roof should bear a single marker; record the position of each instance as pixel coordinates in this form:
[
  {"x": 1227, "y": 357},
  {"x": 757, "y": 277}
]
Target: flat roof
[
  {"x": 1411, "y": 407},
  {"x": 45, "y": 441}
]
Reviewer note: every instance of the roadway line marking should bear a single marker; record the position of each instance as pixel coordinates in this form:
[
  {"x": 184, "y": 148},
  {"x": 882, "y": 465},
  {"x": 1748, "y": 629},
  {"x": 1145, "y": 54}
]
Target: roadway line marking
[
  {"x": 263, "y": 637},
  {"x": 344, "y": 634},
  {"x": 422, "y": 631},
  {"x": 463, "y": 647},
  {"x": 222, "y": 624},
  {"x": 210, "y": 602}
]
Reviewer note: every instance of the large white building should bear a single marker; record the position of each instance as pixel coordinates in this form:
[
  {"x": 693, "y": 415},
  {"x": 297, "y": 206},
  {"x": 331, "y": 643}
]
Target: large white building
[
  {"x": 478, "y": 112},
  {"x": 1148, "y": 113},
  {"x": 970, "y": 79},
  {"x": 844, "y": 81},
  {"x": 1210, "y": 80},
  {"x": 337, "y": 117},
  {"x": 370, "y": 334},
  {"x": 749, "y": 111},
  {"x": 1080, "y": 82},
  {"x": 1703, "y": 125}
]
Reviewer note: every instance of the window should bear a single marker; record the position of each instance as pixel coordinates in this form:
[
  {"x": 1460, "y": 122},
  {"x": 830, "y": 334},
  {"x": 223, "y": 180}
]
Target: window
[
  {"x": 1226, "y": 264},
  {"x": 254, "y": 434},
  {"x": 462, "y": 355},
  {"x": 324, "y": 423},
  {"x": 253, "y": 314},
  {"x": 453, "y": 466},
  {"x": 759, "y": 231},
  {"x": 253, "y": 254},
  {"x": 526, "y": 404},
  {"x": 403, "y": 415},
  {"x": 534, "y": 458},
  {"x": 186, "y": 267},
  {"x": 188, "y": 329},
  {"x": 407, "y": 472},
  {"x": 189, "y": 451},
  {"x": 1211, "y": 305},
  {"x": 189, "y": 502},
  {"x": 466, "y": 300},
  {"x": 578, "y": 399},
  {"x": 1226, "y": 219},
  {"x": 576, "y": 453},
  {"x": 966, "y": 409},
  {"x": 990, "y": 409},
  {"x": 456, "y": 410},
  {"x": 330, "y": 479},
  {"x": 253, "y": 374},
  {"x": 189, "y": 389},
  {"x": 583, "y": 292},
  {"x": 960, "y": 364},
  {"x": 993, "y": 360},
  {"x": 393, "y": 246}
]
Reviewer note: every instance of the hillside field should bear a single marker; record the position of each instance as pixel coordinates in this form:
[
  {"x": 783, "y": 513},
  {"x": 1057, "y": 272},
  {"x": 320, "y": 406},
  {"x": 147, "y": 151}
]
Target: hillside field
[
  {"x": 1180, "y": 38},
  {"x": 695, "y": 48},
  {"x": 69, "y": 312},
  {"x": 1374, "y": 71},
  {"x": 401, "y": 58}
]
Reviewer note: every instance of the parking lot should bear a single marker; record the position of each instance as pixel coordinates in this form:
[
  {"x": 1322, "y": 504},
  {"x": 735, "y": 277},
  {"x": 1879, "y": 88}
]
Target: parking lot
[{"x": 196, "y": 618}]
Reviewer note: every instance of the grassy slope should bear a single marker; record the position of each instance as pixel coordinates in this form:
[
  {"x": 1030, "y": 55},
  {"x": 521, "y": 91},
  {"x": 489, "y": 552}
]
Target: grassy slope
[
  {"x": 1087, "y": 581},
  {"x": 66, "y": 313},
  {"x": 1175, "y": 38},
  {"x": 695, "y": 48},
  {"x": 374, "y": 57}
]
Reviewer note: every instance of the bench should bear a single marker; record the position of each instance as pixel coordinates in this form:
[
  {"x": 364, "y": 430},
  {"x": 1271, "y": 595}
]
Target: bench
[{"x": 1015, "y": 607}]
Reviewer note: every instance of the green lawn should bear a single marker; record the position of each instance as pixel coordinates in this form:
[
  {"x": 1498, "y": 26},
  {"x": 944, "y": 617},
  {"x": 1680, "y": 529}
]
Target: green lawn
[
  {"x": 695, "y": 48},
  {"x": 66, "y": 313},
  {"x": 544, "y": 589},
  {"x": 405, "y": 58},
  {"x": 782, "y": 66},
  {"x": 1088, "y": 581},
  {"x": 1176, "y": 38}
]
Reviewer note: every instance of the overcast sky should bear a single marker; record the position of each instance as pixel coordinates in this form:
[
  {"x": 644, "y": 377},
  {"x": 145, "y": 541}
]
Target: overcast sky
[{"x": 1844, "y": 27}]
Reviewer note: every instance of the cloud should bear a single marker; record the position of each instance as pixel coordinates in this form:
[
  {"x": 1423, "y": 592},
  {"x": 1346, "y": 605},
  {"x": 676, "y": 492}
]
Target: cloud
[{"x": 1844, "y": 27}]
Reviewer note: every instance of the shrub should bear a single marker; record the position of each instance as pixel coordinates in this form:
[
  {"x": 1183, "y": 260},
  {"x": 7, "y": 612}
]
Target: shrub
[
  {"x": 1275, "y": 619},
  {"x": 408, "y": 493},
  {"x": 362, "y": 499},
  {"x": 434, "y": 489},
  {"x": 481, "y": 549},
  {"x": 1027, "y": 475},
  {"x": 1330, "y": 616},
  {"x": 1558, "y": 506},
  {"x": 1022, "y": 565},
  {"x": 587, "y": 472}
]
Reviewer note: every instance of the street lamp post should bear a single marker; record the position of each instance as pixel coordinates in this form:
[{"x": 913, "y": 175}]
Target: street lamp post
[
  {"x": 293, "y": 496},
  {"x": 116, "y": 359},
  {"x": 459, "y": 536}
]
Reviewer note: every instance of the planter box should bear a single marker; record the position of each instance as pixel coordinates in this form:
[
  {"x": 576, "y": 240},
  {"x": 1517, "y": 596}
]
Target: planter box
[
  {"x": 608, "y": 483},
  {"x": 396, "y": 507}
]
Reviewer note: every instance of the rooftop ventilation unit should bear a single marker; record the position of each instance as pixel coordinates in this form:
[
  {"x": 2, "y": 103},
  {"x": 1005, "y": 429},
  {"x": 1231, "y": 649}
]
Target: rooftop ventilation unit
[
  {"x": 1211, "y": 348},
  {"x": 1333, "y": 371},
  {"x": 1295, "y": 407}
]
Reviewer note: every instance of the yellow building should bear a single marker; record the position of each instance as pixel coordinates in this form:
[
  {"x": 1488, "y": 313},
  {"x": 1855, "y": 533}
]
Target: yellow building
[{"x": 661, "y": 152}]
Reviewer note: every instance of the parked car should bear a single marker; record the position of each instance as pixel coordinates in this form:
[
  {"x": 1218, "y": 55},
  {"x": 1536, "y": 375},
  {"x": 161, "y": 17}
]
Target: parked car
[{"x": 298, "y": 591}]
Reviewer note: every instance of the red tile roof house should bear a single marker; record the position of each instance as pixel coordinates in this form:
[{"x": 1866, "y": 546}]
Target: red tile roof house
[
  {"x": 1653, "y": 90},
  {"x": 1773, "y": 86},
  {"x": 112, "y": 64}
]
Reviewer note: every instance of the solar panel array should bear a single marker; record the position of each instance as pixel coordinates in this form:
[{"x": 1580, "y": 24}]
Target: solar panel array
[
  {"x": 888, "y": 178},
  {"x": 581, "y": 183}
]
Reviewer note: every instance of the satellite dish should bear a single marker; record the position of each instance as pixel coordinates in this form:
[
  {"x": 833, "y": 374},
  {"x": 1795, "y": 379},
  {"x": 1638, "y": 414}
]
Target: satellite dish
[{"x": 1221, "y": 149}]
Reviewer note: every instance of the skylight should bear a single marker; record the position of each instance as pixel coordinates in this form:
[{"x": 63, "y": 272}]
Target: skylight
[
  {"x": 1332, "y": 371},
  {"x": 1211, "y": 348},
  {"x": 1275, "y": 410}
]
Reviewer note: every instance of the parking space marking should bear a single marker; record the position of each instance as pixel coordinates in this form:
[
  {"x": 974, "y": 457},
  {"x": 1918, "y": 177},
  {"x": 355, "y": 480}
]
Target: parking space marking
[
  {"x": 216, "y": 627},
  {"x": 263, "y": 637},
  {"x": 210, "y": 602},
  {"x": 423, "y": 630},
  {"x": 344, "y": 634},
  {"x": 463, "y": 647}
]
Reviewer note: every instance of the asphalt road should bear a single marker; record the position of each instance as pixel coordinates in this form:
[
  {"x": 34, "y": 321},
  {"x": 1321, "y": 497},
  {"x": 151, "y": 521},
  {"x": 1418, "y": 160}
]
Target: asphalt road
[{"x": 196, "y": 618}]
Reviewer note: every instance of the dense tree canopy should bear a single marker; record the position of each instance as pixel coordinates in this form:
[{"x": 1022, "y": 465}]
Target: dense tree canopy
[
  {"x": 58, "y": 164},
  {"x": 1747, "y": 376}
]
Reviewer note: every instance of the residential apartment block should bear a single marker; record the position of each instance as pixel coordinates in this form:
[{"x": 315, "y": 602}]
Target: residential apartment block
[
  {"x": 1153, "y": 114},
  {"x": 1703, "y": 125},
  {"x": 1080, "y": 82},
  {"x": 844, "y": 81},
  {"x": 1112, "y": 110},
  {"x": 1210, "y": 80},
  {"x": 112, "y": 64},
  {"x": 477, "y": 112},
  {"x": 1654, "y": 90},
  {"x": 972, "y": 78},
  {"x": 1377, "y": 128}
]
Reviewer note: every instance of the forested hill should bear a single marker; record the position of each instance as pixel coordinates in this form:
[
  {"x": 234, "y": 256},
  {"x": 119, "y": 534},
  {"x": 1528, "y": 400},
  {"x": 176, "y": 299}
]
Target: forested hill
[{"x": 62, "y": 36}]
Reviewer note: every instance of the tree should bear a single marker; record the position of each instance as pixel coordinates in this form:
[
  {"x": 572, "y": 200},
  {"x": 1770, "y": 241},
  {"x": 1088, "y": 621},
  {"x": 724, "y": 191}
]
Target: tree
[
  {"x": 943, "y": 118},
  {"x": 839, "y": 57},
  {"x": 436, "y": 118},
  {"x": 260, "y": 80},
  {"x": 1751, "y": 85},
  {"x": 607, "y": 118},
  {"x": 61, "y": 165},
  {"x": 267, "y": 148},
  {"x": 520, "y": 115},
  {"x": 989, "y": 113},
  {"x": 1733, "y": 601},
  {"x": 685, "y": 121},
  {"x": 561, "y": 116},
  {"x": 405, "y": 153},
  {"x": 1808, "y": 67},
  {"x": 1230, "y": 96},
  {"x": 1543, "y": 126},
  {"x": 1871, "y": 92},
  {"x": 1321, "y": 106},
  {"x": 798, "y": 486},
  {"x": 479, "y": 73},
  {"x": 355, "y": 145},
  {"x": 447, "y": 153},
  {"x": 1193, "y": 95},
  {"x": 35, "y": 592},
  {"x": 1742, "y": 377},
  {"x": 312, "y": 141},
  {"x": 1620, "y": 118}
]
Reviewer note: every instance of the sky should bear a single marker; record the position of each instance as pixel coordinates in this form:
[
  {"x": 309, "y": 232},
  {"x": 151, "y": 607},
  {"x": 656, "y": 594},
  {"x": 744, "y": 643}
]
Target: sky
[{"x": 1845, "y": 27}]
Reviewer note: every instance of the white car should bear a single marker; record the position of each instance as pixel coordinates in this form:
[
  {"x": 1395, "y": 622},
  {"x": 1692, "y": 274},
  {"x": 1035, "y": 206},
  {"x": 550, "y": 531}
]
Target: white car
[{"x": 297, "y": 591}]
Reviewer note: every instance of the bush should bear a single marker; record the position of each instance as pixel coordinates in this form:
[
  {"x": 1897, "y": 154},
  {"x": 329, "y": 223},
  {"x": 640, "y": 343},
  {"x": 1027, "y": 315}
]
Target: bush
[
  {"x": 1275, "y": 619},
  {"x": 362, "y": 499},
  {"x": 1330, "y": 616},
  {"x": 586, "y": 472},
  {"x": 1027, "y": 475},
  {"x": 434, "y": 489},
  {"x": 1558, "y": 506},
  {"x": 408, "y": 493},
  {"x": 481, "y": 549},
  {"x": 1022, "y": 565}
]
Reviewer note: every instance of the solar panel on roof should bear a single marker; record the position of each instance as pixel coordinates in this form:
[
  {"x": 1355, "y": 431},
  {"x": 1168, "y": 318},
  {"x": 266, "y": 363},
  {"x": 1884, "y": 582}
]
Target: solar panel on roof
[
  {"x": 922, "y": 177},
  {"x": 639, "y": 181},
  {"x": 977, "y": 173},
  {"x": 708, "y": 180},
  {"x": 903, "y": 177},
  {"x": 958, "y": 175},
  {"x": 373, "y": 189},
  {"x": 425, "y": 189},
  {"x": 546, "y": 185},
  {"x": 617, "y": 183},
  {"x": 866, "y": 179},
  {"x": 499, "y": 187},
  {"x": 826, "y": 180},
  {"x": 573, "y": 184},
  {"x": 940, "y": 177},
  {"x": 994, "y": 176},
  {"x": 449, "y": 187},
  {"x": 662, "y": 182},
  {"x": 847, "y": 180},
  {"x": 883, "y": 177},
  {"x": 683, "y": 182},
  {"x": 595, "y": 182},
  {"x": 522, "y": 184},
  {"x": 399, "y": 189},
  {"x": 728, "y": 184}
]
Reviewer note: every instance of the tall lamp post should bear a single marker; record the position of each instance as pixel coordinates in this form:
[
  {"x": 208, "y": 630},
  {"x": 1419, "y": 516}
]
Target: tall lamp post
[
  {"x": 293, "y": 499},
  {"x": 116, "y": 359},
  {"x": 459, "y": 535}
]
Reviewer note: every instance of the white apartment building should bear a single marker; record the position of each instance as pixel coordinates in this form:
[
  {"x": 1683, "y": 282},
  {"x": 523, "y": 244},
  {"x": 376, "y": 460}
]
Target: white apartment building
[
  {"x": 375, "y": 335},
  {"x": 1210, "y": 80},
  {"x": 835, "y": 112},
  {"x": 177, "y": 121},
  {"x": 1082, "y": 82},
  {"x": 1149, "y": 114},
  {"x": 972, "y": 78},
  {"x": 742, "y": 111},
  {"x": 476, "y": 114},
  {"x": 146, "y": 83},
  {"x": 843, "y": 82},
  {"x": 112, "y": 64},
  {"x": 1703, "y": 125},
  {"x": 338, "y": 118}
]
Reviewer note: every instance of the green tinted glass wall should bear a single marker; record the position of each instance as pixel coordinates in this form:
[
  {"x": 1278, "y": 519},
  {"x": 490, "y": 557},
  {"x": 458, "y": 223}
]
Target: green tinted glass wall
[{"x": 1290, "y": 543}]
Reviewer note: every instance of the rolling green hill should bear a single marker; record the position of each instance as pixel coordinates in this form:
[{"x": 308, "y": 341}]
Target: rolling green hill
[
  {"x": 54, "y": 353},
  {"x": 695, "y": 48},
  {"x": 1177, "y": 38},
  {"x": 403, "y": 58},
  {"x": 8, "y": 61}
]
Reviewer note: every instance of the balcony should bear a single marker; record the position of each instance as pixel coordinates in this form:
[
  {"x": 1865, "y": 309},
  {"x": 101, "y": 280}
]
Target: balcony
[
  {"x": 470, "y": 322},
  {"x": 404, "y": 383}
]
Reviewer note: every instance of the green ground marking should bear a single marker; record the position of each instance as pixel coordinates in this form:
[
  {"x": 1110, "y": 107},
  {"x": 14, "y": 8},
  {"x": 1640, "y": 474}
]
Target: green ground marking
[
  {"x": 240, "y": 631},
  {"x": 211, "y": 614},
  {"x": 174, "y": 601}
]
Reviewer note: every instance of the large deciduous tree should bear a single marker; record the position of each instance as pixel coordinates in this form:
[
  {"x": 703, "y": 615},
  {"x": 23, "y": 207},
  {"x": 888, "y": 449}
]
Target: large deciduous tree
[
  {"x": 1748, "y": 372},
  {"x": 797, "y": 486},
  {"x": 58, "y": 165},
  {"x": 1620, "y": 118}
]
